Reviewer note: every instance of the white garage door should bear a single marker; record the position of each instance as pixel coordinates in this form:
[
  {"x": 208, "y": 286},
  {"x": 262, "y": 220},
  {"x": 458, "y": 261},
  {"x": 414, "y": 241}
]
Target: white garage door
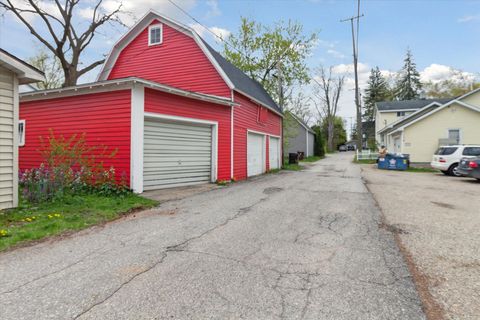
[
  {"x": 255, "y": 153},
  {"x": 176, "y": 154},
  {"x": 273, "y": 153}
]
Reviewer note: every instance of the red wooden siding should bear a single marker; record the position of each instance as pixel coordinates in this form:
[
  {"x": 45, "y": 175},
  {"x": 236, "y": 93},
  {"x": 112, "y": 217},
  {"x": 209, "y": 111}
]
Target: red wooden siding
[
  {"x": 246, "y": 116},
  {"x": 167, "y": 104},
  {"x": 178, "y": 62},
  {"x": 103, "y": 117}
]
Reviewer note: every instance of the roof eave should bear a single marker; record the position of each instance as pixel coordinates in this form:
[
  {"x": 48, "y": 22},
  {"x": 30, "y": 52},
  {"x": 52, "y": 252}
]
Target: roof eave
[{"x": 119, "y": 84}]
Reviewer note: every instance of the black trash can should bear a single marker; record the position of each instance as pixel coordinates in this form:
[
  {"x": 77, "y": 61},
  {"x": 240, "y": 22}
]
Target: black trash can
[{"x": 293, "y": 158}]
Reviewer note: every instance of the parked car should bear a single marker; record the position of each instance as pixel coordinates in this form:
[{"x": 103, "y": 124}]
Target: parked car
[
  {"x": 350, "y": 147},
  {"x": 342, "y": 148},
  {"x": 470, "y": 167},
  {"x": 447, "y": 158}
]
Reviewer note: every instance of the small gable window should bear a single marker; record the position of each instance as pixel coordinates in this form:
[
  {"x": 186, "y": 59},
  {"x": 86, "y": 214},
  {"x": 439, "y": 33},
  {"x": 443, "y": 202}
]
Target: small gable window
[
  {"x": 155, "y": 34},
  {"x": 21, "y": 133}
]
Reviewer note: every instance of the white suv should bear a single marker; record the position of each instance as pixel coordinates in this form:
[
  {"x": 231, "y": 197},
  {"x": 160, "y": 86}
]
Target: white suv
[{"x": 447, "y": 158}]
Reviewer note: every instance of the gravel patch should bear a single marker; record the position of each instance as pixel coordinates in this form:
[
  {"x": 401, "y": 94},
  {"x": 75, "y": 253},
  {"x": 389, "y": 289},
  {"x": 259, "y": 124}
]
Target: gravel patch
[{"x": 436, "y": 220}]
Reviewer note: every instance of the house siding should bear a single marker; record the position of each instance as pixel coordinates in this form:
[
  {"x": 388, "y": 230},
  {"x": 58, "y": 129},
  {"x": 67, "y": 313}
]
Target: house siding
[
  {"x": 103, "y": 117},
  {"x": 421, "y": 139},
  {"x": 166, "y": 104},
  {"x": 178, "y": 61},
  {"x": 246, "y": 118},
  {"x": 8, "y": 145},
  {"x": 297, "y": 142}
]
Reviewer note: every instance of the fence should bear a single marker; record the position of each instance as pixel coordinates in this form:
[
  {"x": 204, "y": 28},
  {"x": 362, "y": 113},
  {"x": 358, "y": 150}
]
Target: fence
[{"x": 366, "y": 155}]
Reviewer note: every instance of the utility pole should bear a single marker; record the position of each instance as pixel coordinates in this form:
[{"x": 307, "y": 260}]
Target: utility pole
[
  {"x": 280, "y": 85},
  {"x": 358, "y": 104}
]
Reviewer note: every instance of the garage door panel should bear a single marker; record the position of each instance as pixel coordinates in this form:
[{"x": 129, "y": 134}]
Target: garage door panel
[
  {"x": 170, "y": 183},
  {"x": 255, "y": 154},
  {"x": 176, "y": 154},
  {"x": 273, "y": 153}
]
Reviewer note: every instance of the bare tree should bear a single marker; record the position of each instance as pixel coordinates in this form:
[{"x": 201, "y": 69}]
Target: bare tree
[
  {"x": 62, "y": 37},
  {"x": 299, "y": 105},
  {"x": 328, "y": 90}
]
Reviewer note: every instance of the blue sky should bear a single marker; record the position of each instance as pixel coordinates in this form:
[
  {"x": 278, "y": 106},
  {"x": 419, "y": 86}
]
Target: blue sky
[{"x": 441, "y": 34}]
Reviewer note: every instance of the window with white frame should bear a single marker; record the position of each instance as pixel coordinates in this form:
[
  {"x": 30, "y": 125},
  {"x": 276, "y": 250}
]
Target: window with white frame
[
  {"x": 21, "y": 133},
  {"x": 454, "y": 135},
  {"x": 401, "y": 114},
  {"x": 155, "y": 34}
]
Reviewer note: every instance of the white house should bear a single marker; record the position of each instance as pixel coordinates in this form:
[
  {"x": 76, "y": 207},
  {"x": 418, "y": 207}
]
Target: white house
[{"x": 13, "y": 72}]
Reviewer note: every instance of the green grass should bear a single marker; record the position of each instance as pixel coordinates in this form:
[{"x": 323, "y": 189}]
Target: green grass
[
  {"x": 292, "y": 167},
  {"x": 414, "y": 169},
  {"x": 312, "y": 159},
  {"x": 71, "y": 213}
]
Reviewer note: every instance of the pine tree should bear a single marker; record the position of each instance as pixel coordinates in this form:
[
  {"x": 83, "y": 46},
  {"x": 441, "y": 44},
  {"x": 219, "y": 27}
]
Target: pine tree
[
  {"x": 377, "y": 90},
  {"x": 408, "y": 86}
]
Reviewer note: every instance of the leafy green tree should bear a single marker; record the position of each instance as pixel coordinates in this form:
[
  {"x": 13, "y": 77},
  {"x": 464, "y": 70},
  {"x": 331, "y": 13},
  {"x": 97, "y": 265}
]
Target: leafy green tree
[
  {"x": 319, "y": 146},
  {"x": 260, "y": 50},
  {"x": 339, "y": 132},
  {"x": 408, "y": 85},
  {"x": 377, "y": 90},
  {"x": 50, "y": 66},
  {"x": 448, "y": 88}
]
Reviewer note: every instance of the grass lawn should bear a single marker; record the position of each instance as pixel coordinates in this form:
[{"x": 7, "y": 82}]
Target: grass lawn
[
  {"x": 33, "y": 222},
  {"x": 365, "y": 161},
  {"x": 312, "y": 159},
  {"x": 292, "y": 167},
  {"x": 413, "y": 169}
]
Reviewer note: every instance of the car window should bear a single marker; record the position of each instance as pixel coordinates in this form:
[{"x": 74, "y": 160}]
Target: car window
[
  {"x": 471, "y": 151},
  {"x": 446, "y": 151}
]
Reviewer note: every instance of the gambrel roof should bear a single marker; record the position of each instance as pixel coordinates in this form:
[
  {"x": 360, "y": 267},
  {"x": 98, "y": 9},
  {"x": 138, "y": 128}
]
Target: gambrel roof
[{"x": 235, "y": 78}]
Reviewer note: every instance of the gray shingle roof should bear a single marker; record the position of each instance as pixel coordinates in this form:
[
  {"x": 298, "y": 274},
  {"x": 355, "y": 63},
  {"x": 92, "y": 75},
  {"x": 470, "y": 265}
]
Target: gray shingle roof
[
  {"x": 242, "y": 82},
  {"x": 409, "y": 104}
]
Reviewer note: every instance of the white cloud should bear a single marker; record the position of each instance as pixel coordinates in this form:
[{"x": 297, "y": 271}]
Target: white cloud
[
  {"x": 135, "y": 9},
  {"x": 204, "y": 33},
  {"x": 336, "y": 54},
  {"x": 469, "y": 18},
  {"x": 438, "y": 72},
  {"x": 214, "y": 9}
]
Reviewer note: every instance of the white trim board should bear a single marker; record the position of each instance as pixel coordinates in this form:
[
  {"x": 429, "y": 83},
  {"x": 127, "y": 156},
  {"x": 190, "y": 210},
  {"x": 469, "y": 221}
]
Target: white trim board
[
  {"x": 137, "y": 132},
  {"x": 25, "y": 73},
  {"x": 120, "y": 84},
  {"x": 391, "y": 125},
  {"x": 466, "y": 105}
]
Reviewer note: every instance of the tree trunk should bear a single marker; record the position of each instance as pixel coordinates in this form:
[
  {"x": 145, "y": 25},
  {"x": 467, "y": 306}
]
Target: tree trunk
[
  {"x": 71, "y": 77},
  {"x": 331, "y": 132}
]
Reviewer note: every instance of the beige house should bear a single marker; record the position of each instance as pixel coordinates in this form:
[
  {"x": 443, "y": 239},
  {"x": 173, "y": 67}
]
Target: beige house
[
  {"x": 13, "y": 72},
  {"x": 428, "y": 124}
]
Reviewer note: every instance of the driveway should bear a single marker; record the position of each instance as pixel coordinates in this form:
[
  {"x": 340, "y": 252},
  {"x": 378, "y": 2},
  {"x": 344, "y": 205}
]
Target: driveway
[
  {"x": 437, "y": 220},
  {"x": 291, "y": 245}
]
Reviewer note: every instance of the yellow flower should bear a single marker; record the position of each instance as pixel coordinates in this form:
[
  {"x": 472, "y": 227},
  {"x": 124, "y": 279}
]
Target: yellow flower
[
  {"x": 50, "y": 216},
  {"x": 28, "y": 219}
]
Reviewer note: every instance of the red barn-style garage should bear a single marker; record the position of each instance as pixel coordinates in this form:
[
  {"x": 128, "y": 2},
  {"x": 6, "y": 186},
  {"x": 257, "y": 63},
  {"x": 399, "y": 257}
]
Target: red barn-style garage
[{"x": 174, "y": 109}]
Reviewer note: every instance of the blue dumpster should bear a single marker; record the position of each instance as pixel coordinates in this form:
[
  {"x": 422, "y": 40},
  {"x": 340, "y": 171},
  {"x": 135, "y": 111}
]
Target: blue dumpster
[{"x": 394, "y": 162}]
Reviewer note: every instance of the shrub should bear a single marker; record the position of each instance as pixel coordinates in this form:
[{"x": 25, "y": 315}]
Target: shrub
[{"x": 71, "y": 166}]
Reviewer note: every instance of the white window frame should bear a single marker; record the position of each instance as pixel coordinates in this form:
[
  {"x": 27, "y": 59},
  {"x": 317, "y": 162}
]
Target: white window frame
[
  {"x": 21, "y": 138},
  {"x": 155, "y": 26},
  {"x": 460, "y": 135}
]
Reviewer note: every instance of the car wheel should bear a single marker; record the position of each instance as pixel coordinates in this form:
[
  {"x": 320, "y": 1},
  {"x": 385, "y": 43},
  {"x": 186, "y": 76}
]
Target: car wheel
[
  {"x": 453, "y": 170},
  {"x": 445, "y": 172}
]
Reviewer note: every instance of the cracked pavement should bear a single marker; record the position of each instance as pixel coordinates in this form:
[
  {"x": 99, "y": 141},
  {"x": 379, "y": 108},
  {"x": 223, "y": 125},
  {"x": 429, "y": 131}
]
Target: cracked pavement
[{"x": 292, "y": 245}]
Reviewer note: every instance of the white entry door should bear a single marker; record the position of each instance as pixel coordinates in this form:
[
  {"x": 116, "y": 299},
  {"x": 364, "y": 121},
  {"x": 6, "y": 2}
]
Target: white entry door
[
  {"x": 255, "y": 154},
  {"x": 176, "y": 154},
  {"x": 274, "y": 152},
  {"x": 397, "y": 145}
]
